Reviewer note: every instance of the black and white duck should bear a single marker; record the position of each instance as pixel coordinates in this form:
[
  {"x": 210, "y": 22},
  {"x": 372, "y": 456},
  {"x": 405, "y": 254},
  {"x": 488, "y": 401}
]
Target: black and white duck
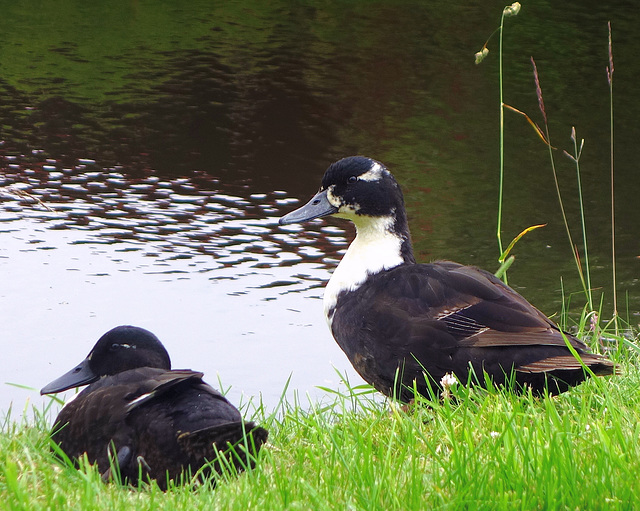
[
  {"x": 155, "y": 422},
  {"x": 402, "y": 324}
]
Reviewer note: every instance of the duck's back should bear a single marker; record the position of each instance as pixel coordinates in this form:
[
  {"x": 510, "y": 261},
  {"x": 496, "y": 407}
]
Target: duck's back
[
  {"x": 168, "y": 421},
  {"x": 443, "y": 317}
]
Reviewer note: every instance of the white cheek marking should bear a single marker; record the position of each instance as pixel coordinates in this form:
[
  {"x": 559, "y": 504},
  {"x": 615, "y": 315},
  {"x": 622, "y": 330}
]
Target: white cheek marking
[
  {"x": 333, "y": 200},
  {"x": 373, "y": 174},
  {"x": 375, "y": 248},
  {"x": 347, "y": 211}
]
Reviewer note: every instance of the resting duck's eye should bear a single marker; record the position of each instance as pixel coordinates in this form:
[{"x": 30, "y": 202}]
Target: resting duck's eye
[
  {"x": 114, "y": 346},
  {"x": 352, "y": 179}
]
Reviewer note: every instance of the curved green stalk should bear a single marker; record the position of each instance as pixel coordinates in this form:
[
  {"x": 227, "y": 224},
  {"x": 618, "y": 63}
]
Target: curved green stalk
[{"x": 501, "y": 182}]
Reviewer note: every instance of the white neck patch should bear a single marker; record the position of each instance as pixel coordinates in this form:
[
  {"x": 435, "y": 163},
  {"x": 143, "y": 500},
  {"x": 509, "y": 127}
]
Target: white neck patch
[{"x": 375, "y": 248}]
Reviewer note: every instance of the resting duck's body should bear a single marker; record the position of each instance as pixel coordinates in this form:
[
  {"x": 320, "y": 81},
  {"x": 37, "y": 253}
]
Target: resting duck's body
[
  {"x": 156, "y": 422},
  {"x": 403, "y": 324}
]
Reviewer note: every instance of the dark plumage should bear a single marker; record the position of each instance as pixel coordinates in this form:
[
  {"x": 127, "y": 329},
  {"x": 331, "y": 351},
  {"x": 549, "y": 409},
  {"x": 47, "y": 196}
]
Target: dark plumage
[
  {"x": 398, "y": 321},
  {"x": 161, "y": 421}
]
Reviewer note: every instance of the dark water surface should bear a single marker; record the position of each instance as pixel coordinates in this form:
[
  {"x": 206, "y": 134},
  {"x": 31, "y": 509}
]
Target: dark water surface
[{"x": 159, "y": 142}]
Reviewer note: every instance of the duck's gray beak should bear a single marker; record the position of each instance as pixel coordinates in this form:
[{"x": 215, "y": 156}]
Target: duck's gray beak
[
  {"x": 317, "y": 207},
  {"x": 79, "y": 375}
]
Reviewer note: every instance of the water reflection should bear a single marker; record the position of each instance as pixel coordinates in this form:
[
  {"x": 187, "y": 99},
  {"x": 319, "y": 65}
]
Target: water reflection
[
  {"x": 201, "y": 263},
  {"x": 177, "y": 216}
]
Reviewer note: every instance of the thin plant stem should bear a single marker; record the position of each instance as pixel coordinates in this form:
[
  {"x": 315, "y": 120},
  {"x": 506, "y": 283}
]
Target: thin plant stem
[
  {"x": 555, "y": 174},
  {"x": 576, "y": 158},
  {"x": 509, "y": 10},
  {"x": 613, "y": 211},
  {"x": 501, "y": 183}
]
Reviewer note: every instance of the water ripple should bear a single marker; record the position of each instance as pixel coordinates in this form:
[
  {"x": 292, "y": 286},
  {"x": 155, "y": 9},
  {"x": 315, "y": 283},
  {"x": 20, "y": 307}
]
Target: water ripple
[{"x": 196, "y": 218}]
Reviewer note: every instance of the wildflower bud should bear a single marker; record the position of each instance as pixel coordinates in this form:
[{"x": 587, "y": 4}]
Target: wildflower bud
[
  {"x": 512, "y": 10},
  {"x": 448, "y": 380},
  {"x": 482, "y": 54}
]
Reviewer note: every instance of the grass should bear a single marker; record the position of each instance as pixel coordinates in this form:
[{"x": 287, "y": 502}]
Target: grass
[{"x": 481, "y": 450}]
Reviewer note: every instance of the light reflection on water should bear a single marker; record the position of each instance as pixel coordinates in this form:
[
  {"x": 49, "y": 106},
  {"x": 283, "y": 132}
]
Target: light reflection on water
[{"x": 203, "y": 265}]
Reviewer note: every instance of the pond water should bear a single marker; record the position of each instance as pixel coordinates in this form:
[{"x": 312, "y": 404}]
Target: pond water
[{"x": 149, "y": 148}]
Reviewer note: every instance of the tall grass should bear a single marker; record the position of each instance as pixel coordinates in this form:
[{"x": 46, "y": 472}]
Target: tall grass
[
  {"x": 584, "y": 279},
  {"x": 586, "y": 275},
  {"x": 582, "y": 264},
  {"x": 613, "y": 210},
  {"x": 507, "y": 12}
]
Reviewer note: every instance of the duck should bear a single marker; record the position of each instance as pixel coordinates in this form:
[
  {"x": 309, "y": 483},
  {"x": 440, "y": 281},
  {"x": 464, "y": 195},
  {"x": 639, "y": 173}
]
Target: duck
[
  {"x": 138, "y": 419},
  {"x": 404, "y": 325}
]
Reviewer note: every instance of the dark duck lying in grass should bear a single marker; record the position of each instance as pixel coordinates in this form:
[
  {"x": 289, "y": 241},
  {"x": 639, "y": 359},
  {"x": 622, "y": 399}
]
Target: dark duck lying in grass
[
  {"x": 154, "y": 421},
  {"x": 403, "y": 324}
]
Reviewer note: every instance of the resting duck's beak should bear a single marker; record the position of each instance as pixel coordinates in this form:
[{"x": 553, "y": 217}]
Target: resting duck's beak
[{"x": 79, "y": 375}]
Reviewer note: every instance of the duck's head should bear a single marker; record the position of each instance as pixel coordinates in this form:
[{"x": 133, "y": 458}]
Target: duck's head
[
  {"x": 362, "y": 190},
  {"x": 357, "y": 188},
  {"x": 120, "y": 349}
]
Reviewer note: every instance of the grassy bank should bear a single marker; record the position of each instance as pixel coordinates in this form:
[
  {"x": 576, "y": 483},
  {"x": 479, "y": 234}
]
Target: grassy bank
[{"x": 490, "y": 450}]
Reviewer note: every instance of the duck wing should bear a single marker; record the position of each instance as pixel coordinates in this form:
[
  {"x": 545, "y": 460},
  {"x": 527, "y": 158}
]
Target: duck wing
[
  {"x": 153, "y": 383},
  {"x": 180, "y": 423},
  {"x": 445, "y": 317},
  {"x": 98, "y": 420}
]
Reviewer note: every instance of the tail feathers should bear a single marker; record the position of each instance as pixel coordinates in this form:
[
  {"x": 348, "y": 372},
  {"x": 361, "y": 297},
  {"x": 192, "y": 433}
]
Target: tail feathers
[{"x": 234, "y": 439}]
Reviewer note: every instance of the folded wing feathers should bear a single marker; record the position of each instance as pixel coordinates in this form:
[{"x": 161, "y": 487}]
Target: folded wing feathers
[
  {"x": 476, "y": 335},
  {"x": 463, "y": 326},
  {"x": 161, "y": 383},
  {"x": 538, "y": 336},
  {"x": 598, "y": 364}
]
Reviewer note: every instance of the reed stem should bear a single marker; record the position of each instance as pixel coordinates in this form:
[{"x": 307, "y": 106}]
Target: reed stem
[{"x": 613, "y": 210}]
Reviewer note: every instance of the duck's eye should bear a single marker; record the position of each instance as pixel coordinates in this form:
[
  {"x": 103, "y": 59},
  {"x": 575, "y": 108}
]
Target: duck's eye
[
  {"x": 352, "y": 179},
  {"x": 114, "y": 346}
]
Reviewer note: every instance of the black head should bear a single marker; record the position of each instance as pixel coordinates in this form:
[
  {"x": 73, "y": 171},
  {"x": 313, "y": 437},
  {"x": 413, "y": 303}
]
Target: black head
[
  {"x": 353, "y": 187},
  {"x": 363, "y": 186},
  {"x": 120, "y": 349}
]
